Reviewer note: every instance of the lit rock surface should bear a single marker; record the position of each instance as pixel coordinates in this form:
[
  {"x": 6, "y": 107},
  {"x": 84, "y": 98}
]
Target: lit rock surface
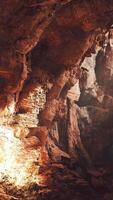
[{"x": 44, "y": 68}]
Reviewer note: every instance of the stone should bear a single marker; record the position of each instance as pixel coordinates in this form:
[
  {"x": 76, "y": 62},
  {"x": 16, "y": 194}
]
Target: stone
[{"x": 74, "y": 92}]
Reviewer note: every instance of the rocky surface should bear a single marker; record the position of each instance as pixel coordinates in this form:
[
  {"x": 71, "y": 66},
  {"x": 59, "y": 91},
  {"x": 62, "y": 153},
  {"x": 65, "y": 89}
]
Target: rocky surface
[
  {"x": 56, "y": 89},
  {"x": 64, "y": 182},
  {"x": 44, "y": 43},
  {"x": 95, "y": 102}
]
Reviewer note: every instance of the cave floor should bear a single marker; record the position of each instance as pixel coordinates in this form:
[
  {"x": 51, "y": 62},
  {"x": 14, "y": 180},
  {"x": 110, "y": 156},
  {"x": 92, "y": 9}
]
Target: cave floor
[{"x": 61, "y": 182}]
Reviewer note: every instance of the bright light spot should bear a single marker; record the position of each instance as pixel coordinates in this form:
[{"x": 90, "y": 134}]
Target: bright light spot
[{"x": 17, "y": 163}]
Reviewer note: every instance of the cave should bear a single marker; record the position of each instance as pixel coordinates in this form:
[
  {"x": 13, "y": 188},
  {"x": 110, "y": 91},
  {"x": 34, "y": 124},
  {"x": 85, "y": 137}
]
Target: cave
[{"x": 56, "y": 100}]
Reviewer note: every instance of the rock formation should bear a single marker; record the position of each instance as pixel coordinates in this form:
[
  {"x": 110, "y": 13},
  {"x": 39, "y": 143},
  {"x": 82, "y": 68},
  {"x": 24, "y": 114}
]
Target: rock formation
[
  {"x": 56, "y": 77},
  {"x": 42, "y": 46}
]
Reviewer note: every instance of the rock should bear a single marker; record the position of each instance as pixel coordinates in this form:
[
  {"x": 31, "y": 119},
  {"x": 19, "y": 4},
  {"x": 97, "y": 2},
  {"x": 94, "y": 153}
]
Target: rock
[
  {"x": 31, "y": 143},
  {"x": 95, "y": 173},
  {"x": 88, "y": 78},
  {"x": 97, "y": 183},
  {"x": 104, "y": 67},
  {"x": 74, "y": 92},
  {"x": 40, "y": 132},
  {"x": 108, "y": 196},
  {"x": 107, "y": 102},
  {"x": 96, "y": 103},
  {"x": 96, "y": 129},
  {"x": 54, "y": 152}
]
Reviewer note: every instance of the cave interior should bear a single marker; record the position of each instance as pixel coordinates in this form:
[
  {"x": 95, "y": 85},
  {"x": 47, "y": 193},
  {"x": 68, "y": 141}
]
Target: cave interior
[{"x": 56, "y": 100}]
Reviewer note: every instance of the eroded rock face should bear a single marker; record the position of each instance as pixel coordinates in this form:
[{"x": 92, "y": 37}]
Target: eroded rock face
[
  {"x": 43, "y": 44},
  {"x": 95, "y": 111}
]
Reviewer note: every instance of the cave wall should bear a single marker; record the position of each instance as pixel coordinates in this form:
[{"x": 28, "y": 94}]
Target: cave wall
[
  {"x": 95, "y": 103},
  {"x": 42, "y": 47}
]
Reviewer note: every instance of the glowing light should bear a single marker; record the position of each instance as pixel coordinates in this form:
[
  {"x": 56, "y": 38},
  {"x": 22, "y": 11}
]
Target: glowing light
[{"x": 17, "y": 163}]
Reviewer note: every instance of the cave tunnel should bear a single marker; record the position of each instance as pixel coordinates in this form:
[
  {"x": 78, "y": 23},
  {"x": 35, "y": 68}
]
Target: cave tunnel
[{"x": 56, "y": 99}]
